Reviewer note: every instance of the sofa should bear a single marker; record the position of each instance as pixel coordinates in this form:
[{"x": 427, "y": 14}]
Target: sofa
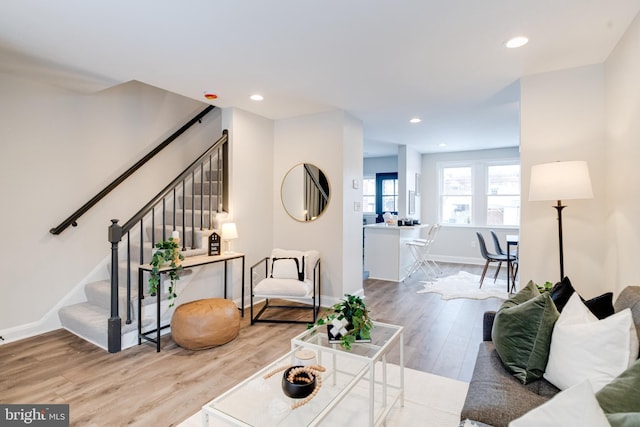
[{"x": 495, "y": 397}]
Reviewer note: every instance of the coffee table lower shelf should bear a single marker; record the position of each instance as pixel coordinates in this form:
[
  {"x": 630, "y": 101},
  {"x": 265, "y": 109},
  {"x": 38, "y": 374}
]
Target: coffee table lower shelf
[{"x": 344, "y": 398}]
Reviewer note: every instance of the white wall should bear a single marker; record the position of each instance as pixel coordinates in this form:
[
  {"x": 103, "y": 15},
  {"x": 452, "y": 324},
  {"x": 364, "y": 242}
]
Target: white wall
[
  {"x": 374, "y": 165},
  {"x": 562, "y": 118},
  {"x": 251, "y": 186},
  {"x": 59, "y": 149},
  {"x": 333, "y": 142},
  {"x": 622, "y": 202},
  {"x": 409, "y": 164},
  {"x": 352, "y": 144}
]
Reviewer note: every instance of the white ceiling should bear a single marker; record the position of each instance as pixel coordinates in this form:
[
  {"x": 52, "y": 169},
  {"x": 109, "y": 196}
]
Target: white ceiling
[{"x": 382, "y": 61}]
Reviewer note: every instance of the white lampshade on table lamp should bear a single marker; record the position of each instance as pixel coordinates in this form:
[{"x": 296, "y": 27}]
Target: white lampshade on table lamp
[
  {"x": 228, "y": 233},
  {"x": 560, "y": 181}
]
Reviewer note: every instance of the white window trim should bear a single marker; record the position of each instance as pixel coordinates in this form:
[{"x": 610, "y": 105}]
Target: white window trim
[{"x": 479, "y": 188}]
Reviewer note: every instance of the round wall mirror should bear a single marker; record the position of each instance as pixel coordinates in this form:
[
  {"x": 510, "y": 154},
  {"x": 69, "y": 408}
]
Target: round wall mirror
[{"x": 305, "y": 192}]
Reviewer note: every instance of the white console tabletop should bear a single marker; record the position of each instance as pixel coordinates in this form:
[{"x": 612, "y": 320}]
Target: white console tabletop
[{"x": 386, "y": 255}]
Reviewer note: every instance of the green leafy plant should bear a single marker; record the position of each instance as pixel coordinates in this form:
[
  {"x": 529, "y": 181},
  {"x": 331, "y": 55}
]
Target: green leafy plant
[
  {"x": 167, "y": 251},
  {"x": 547, "y": 287},
  {"x": 355, "y": 312}
]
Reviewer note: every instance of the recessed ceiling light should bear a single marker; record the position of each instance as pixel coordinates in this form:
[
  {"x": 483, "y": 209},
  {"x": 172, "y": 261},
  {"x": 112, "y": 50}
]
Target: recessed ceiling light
[
  {"x": 516, "y": 42},
  {"x": 256, "y": 97},
  {"x": 210, "y": 95},
  {"x": 415, "y": 120},
  {"x": 442, "y": 144}
]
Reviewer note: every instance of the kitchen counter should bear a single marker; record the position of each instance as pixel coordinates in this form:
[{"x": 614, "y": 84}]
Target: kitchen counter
[{"x": 386, "y": 255}]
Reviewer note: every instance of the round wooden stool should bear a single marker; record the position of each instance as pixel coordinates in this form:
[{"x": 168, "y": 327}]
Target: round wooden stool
[{"x": 205, "y": 323}]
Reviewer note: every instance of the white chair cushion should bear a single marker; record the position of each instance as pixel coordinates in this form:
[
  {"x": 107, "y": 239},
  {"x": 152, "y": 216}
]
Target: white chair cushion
[
  {"x": 283, "y": 288},
  {"x": 310, "y": 258}
]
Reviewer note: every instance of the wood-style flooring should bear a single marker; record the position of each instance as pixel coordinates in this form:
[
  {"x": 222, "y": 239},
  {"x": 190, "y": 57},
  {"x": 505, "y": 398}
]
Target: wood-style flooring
[{"x": 141, "y": 387}]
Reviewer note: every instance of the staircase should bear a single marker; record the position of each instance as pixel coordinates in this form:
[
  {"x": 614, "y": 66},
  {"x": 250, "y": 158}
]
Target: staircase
[{"x": 189, "y": 205}]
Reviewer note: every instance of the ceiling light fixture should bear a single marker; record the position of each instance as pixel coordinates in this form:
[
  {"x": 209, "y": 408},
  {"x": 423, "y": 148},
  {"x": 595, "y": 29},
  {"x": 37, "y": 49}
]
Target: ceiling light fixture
[
  {"x": 516, "y": 42},
  {"x": 210, "y": 95},
  {"x": 442, "y": 144},
  {"x": 415, "y": 120},
  {"x": 256, "y": 97}
]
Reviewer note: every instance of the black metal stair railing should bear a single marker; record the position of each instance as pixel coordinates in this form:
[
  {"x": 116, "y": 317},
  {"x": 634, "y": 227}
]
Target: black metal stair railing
[
  {"x": 203, "y": 187},
  {"x": 72, "y": 219}
]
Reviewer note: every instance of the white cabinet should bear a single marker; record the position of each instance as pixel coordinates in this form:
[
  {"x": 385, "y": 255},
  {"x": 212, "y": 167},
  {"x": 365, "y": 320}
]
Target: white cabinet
[{"x": 386, "y": 255}]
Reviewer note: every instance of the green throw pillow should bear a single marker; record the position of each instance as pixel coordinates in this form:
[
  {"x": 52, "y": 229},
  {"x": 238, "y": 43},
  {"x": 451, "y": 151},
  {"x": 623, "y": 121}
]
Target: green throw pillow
[
  {"x": 625, "y": 419},
  {"x": 524, "y": 294},
  {"x": 623, "y": 393},
  {"x": 522, "y": 332}
]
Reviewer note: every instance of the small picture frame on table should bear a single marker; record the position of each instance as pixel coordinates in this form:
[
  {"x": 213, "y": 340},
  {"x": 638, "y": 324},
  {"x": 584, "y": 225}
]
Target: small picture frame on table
[{"x": 214, "y": 244}]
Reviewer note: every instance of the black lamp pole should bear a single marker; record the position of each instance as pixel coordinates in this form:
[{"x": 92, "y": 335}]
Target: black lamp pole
[{"x": 559, "y": 208}]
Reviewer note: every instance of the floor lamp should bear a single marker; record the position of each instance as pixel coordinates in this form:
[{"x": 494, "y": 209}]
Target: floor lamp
[{"x": 560, "y": 181}]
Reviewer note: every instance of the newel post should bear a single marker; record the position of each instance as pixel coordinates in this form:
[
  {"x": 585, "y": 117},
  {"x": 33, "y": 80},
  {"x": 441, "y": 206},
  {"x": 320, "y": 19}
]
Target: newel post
[{"x": 115, "y": 324}]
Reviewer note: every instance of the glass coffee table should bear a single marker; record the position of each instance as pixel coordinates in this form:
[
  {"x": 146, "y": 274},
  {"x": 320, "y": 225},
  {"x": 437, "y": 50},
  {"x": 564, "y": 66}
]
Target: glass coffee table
[{"x": 357, "y": 385}]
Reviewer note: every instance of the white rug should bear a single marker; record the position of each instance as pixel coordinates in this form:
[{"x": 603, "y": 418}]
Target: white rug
[
  {"x": 429, "y": 400},
  {"x": 466, "y": 285}
]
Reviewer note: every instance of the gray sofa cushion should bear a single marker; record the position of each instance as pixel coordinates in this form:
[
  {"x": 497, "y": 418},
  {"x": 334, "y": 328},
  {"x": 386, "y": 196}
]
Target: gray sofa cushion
[{"x": 496, "y": 397}]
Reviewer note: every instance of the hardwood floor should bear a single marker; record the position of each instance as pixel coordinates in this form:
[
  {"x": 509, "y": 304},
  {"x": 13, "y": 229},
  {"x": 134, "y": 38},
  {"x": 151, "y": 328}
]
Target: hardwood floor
[{"x": 141, "y": 387}]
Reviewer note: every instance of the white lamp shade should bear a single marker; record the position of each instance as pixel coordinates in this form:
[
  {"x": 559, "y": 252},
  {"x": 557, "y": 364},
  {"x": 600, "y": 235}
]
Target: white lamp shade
[
  {"x": 560, "y": 181},
  {"x": 229, "y": 231}
]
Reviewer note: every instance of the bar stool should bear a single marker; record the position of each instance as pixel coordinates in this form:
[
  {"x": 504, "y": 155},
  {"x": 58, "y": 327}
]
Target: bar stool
[{"x": 421, "y": 249}]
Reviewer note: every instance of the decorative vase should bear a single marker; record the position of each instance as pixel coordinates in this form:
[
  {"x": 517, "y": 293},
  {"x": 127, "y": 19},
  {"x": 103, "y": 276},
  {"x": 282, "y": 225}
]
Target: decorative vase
[{"x": 302, "y": 385}]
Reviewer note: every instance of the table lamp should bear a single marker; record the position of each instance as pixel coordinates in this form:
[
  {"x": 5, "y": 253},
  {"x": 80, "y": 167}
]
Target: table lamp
[
  {"x": 228, "y": 233},
  {"x": 560, "y": 181}
]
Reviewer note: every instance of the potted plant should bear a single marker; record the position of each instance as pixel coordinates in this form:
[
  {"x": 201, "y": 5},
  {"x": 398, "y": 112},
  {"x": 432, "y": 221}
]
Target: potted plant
[
  {"x": 166, "y": 253},
  {"x": 348, "y": 321},
  {"x": 547, "y": 287}
]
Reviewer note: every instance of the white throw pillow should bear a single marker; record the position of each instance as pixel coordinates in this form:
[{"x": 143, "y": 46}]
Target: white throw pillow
[
  {"x": 576, "y": 406},
  {"x": 285, "y": 268},
  {"x": 583, "y": 347}
]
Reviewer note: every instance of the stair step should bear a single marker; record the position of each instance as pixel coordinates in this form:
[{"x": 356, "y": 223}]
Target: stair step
[
  {"x": 198, "y": 201},
  {"x": 203, "y": 188},
  {"x": 211, "y": 175},
  {"x": 190, "y": 216},
  {"x": 90, "y": 322},
  {"x": 99, "y": 293},
  {"x": 186, "y": 239}
]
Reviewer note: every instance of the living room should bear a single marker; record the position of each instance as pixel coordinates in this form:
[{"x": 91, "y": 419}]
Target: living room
[{"x": 76, "y": 142}]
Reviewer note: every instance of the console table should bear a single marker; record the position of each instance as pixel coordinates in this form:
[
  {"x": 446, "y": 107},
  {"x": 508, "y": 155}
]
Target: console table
[{"x": 189, "y": 262}]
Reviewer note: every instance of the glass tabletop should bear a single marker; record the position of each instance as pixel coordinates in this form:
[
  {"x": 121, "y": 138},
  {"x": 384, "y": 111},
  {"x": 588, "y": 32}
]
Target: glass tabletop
[
  {"x": 382, "y": 335},
  {"x": 259, "y": 400}
]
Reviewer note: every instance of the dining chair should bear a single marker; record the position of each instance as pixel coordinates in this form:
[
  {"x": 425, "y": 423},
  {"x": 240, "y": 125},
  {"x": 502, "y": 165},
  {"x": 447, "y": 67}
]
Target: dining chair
[{"x": 491, "y": 257}]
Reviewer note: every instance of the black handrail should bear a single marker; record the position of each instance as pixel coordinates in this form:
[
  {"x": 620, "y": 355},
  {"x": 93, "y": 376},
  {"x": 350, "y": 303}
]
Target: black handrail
[{"x": 77, "y": 214}]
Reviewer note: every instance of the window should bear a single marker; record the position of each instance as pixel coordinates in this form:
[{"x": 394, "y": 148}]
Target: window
[
  {"x": 386, "y": 192},
  {"x": 456, "y": 195},
  {"x": 369, "y": 195},
  {"x": 503, "y": 195},
  {"x": 480, "y": 193}
]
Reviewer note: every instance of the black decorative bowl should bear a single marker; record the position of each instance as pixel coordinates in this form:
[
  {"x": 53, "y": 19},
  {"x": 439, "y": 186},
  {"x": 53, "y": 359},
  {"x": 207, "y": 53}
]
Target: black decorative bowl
[{"x": 298, "y": 389}]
